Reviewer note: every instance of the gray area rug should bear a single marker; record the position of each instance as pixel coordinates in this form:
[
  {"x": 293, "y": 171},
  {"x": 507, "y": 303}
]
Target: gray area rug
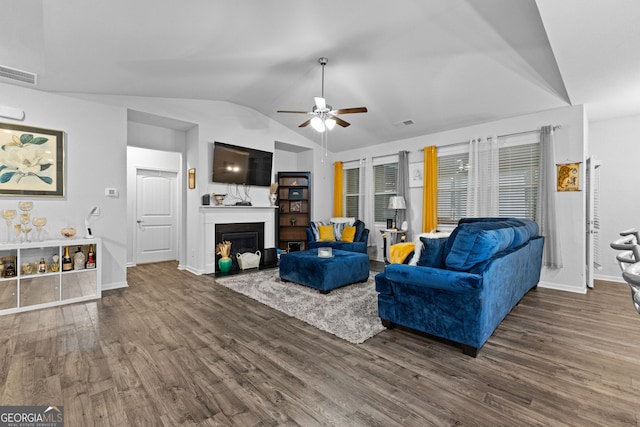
[{"x": 350, "y": 312}]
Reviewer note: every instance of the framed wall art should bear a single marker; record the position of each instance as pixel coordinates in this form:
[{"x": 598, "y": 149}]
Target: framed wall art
[
  {"x": 416, "y": 174},
  {"x": 568, "y": 177},
  {"x": 31, "y": 161},
  {"x": 295, "y": 206}
]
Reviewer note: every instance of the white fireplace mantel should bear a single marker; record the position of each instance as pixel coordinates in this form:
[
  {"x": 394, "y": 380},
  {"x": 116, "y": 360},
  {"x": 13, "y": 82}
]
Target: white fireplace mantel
[{"x": 234, "y": 215}]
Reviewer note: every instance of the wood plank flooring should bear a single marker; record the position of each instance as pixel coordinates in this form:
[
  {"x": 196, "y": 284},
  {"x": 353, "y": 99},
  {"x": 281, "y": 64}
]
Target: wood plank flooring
[{"x": 175, "y": 349}]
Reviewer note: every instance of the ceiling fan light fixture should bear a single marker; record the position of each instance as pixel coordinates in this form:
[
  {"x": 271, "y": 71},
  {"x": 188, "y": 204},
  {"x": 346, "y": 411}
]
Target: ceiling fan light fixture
[
  {"x": 330, "y": 123},
  {"x": 318, "y": 124}
]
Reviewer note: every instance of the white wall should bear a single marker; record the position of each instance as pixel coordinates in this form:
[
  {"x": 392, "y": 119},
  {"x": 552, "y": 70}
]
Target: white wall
[
  {"x": 224, "y": 122},
  {"x": 155, "y": 137},
  {"x": 570, "y": 144},
  {"x": 615, "y": 143},
  {"x": 284, "y": 161},
  {"x": 95, "y": 158}
]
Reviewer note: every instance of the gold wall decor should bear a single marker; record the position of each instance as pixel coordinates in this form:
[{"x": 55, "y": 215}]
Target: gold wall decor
[
  {"x": 192, "y": 178},
  {"x": 568, "y": 177}
]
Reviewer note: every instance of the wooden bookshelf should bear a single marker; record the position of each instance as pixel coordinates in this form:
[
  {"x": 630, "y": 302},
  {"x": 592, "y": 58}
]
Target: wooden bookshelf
[{"x": 294, "y": 212}]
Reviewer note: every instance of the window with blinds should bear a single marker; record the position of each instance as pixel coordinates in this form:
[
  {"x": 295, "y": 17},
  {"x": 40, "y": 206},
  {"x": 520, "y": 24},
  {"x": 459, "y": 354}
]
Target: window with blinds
[
  {"x": 519, "y": 169},
  {"x": 352, "y": 192},
  {"x": 452, "y": 187},
  {"x": 385, "y": 178}
]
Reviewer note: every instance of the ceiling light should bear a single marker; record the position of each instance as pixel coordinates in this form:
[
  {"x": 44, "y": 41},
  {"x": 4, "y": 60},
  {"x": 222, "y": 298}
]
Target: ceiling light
[
  {"x": 318, "y": 124},
  {"x": 330, "y": 123}
]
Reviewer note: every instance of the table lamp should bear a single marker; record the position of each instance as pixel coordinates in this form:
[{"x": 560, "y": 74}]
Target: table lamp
[{"x": 396, "y": 202}]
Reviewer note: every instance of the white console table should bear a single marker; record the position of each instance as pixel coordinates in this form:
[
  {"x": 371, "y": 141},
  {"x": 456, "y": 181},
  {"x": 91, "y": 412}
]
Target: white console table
[{"x": 30, "y": 290}]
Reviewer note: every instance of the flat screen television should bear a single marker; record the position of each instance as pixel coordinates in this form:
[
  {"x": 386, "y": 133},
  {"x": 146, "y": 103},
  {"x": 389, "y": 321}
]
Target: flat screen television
[{"x": 233, "y": 164}]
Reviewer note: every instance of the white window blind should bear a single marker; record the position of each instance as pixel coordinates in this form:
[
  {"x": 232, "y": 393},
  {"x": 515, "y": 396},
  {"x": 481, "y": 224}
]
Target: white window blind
[
  {"x": 385, "y": 178},
  {"x": 352, "y": 192},
  {"x": 519, "y": 168},
  {"x": 452, "y": 187}
]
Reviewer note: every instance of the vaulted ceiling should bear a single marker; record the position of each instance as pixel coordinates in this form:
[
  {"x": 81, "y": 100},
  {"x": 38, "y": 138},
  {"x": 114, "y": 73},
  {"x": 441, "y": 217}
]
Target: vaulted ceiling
[{"x": 442, "y": 64}]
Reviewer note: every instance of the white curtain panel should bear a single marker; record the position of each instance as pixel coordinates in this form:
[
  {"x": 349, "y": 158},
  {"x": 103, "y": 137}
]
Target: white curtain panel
[
  {"x": 546, "y": 206},
  {"x": 484, "y": 178}
]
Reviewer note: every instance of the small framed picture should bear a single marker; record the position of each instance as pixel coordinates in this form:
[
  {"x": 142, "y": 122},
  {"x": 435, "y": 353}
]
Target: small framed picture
[
  {"x": 295, "y": 193},
  {"x": 295, "y": 206},
  {"x": 416, "y": 174}
]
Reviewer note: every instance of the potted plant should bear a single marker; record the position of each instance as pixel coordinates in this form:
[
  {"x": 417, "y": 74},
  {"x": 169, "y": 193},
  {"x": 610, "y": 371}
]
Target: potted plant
[{"x": 292, "y": 220}]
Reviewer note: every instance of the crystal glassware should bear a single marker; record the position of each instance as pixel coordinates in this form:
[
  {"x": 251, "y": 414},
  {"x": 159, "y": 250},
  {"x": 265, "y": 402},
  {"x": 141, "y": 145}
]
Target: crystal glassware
[
  {"x": 26, "y": 229},
  {"x": 68, "y": 232},
  {"x": 38, "y": 223},
  {"x": 25, "y": 206},
  {"x": 9, "y": 215}
]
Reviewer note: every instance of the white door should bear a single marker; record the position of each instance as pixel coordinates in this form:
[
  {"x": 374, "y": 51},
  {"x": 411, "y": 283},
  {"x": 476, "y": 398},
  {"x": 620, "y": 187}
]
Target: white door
[
  {"x": 155, "y": 216},
  {"x": 593, "y": 219}
]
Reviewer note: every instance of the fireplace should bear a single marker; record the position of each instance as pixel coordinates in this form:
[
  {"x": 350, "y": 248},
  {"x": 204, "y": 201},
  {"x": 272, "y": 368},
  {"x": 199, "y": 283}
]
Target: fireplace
[
  {"x": 216, "y": 216},
  {"x": 244, "y": 237}
]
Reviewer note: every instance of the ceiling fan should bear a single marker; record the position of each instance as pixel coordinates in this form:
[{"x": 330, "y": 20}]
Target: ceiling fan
[{"x": 324, "y": 116}]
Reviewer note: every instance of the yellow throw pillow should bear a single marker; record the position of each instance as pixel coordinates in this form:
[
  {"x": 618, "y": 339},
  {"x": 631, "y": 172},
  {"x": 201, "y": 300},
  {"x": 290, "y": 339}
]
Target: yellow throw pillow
[
  {"x": 348, "y": 233},
  {"x": 326, "y": 233}
]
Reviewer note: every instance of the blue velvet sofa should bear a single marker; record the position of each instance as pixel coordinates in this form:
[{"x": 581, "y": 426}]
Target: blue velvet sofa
[
  {"x": 359, "y": 243},
  {"x": 464, "y": 285}
]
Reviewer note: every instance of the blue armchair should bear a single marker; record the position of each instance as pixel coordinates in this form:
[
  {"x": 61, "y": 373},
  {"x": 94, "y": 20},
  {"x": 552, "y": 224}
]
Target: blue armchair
[{"x": 359, "y": 243}]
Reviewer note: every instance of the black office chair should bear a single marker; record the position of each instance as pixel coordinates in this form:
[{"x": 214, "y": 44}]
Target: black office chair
[
  {"x": 632, "y": 276},
  {"x": 629, "y": 262},
  {"x": 629, "y": 244}
]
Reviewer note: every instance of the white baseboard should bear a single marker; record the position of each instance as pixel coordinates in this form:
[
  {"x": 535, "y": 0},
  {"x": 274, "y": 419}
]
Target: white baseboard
[
  {"x": 192, "y": 270},
  {"x": 562, "y": 287},
  {"x": 111, "y": 286},
  {"x": 618, "y": 279}
]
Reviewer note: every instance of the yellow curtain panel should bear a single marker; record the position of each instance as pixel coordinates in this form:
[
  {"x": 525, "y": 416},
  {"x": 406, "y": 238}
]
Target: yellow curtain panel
[
  {"x": 337, "y": 189},
  {"x": 430, "y": 190}
]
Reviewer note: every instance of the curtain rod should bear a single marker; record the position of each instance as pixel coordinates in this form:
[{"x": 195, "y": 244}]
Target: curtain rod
[{"x": 499, "y": 136}]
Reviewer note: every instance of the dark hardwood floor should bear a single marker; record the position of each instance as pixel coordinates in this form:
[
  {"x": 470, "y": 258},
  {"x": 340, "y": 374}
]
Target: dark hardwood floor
[{"x": 175, "y": 349}]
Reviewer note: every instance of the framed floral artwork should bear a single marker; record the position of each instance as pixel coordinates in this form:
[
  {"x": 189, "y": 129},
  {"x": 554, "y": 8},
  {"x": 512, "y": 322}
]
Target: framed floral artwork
[{"x": 31, "y": 161}]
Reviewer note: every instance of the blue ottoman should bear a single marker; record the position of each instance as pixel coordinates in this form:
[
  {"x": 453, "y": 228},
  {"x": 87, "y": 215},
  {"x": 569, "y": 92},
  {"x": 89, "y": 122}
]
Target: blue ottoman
[{"x": 324, "y": 274}]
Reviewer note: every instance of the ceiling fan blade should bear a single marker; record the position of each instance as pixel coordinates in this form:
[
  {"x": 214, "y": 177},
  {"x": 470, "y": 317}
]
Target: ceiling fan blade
[
  {"x": 321, "y": 103},
  {"x": 290, "y": 111},
  {"x": 341, "y": 122},
  {"x": 305, "y": 124},
  {"x": 350, "y": 110}
]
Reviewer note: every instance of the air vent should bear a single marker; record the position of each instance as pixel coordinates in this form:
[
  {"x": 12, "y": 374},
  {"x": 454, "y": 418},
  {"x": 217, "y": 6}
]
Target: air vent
[
  {"x": 19, "y": 75},
  {"x": 402, "y": 123}
]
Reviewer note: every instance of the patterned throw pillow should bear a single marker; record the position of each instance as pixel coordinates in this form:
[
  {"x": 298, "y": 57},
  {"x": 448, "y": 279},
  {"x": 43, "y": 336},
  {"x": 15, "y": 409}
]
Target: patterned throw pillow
[
  {"x": 339, "y": 223},
  {"x": 314, "y": 228},
  {"x": 326, "y": 233}
]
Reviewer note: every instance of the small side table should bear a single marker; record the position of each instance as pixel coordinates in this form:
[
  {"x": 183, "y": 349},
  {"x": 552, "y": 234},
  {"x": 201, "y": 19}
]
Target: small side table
[{"x": 391, "y": 236}]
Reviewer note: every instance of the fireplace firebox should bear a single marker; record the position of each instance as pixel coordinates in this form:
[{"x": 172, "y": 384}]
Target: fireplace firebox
[{"x": 244, "y": 237}]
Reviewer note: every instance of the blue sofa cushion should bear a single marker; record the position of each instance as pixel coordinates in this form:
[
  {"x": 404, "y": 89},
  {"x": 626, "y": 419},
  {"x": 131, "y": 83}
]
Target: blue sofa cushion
[
  {"x": 432, "y": 253},
  {"x": 477, "y": 242}
]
